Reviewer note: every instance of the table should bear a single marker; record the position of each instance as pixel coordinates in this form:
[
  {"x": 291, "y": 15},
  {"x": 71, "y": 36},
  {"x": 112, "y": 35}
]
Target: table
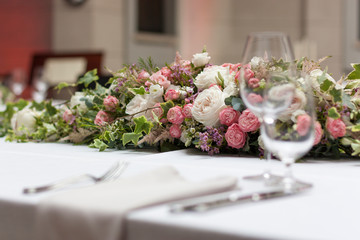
[{"x": 330, "y": 210}]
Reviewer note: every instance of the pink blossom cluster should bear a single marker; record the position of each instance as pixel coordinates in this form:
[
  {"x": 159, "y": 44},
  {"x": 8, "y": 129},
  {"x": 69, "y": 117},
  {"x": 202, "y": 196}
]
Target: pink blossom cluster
[
  {"x": 239, "y": 125},
  {"x": 102, "y": 118}
]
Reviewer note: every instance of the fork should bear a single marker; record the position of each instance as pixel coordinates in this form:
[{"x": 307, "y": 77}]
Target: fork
[{"x": 113, "y": 173}]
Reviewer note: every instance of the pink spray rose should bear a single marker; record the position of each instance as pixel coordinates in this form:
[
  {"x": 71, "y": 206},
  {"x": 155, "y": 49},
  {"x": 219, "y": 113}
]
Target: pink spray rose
[
  {"x": 254, "y": 83},
  {"x": 158, "y": 111},
  {"x": 336, "y": 127},
  {"x": 110, "y": 103},
  {"x": 248, "y": 122},
  {"x": 175, "y": 131},
  {"x": 318, "y": 133},
  {"x": 165, "y": 71},
  {"x": 254, "y": 98},
  {"x": 248, "y": 74},
  {"x": 143, "y": 75},
  {"x": 68, "y": 116},
  {"x": 303, "y": 124},
  {"x": 102, "y": 118},
  {"x": 175, "y": 116},
  {"x": 235, "y": 137},
  {"x": 160, "y": 79},
  {"x": 186, "y": 111},
  {"x": 228, "y": 116},
  {"x": 171, "y": 94}
]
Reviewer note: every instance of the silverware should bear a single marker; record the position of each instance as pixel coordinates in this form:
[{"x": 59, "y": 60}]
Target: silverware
[
  {"x": 205, "y": 203},
  {"x": 113, "y": 173}
]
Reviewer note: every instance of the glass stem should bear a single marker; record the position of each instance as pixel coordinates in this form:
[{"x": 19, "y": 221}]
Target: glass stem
[{"x": 267, "y": 155}]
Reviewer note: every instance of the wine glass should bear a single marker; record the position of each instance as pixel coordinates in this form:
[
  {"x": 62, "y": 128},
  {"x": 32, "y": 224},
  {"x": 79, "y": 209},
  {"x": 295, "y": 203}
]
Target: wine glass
[
  {"x": 290, "y": 135},
  {"x": 264, "y": 53}
]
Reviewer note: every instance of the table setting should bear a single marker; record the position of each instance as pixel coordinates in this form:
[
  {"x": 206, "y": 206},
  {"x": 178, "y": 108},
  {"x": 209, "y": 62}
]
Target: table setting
[{"x": 266, "y": 148}]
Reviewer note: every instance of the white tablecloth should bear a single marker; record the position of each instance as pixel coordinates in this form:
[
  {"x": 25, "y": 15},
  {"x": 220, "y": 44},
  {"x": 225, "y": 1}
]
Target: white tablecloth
[{"x": 330, "y": 210}]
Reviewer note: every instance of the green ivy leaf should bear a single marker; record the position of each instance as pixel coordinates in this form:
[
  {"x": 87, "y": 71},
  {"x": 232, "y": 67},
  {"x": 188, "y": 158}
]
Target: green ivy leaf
[
  {"x": 353, "y": 84},
  {"x": 355, "y": 128},
  {"x": 141, "y": 90},
  {"x": 142, "y": 125},
  {"x": 21, "y": 104},
  {"x": 355, "y": 74},
  {"x": 100, "y": 90},
  {"x": 347, "y": 101},
  {"x": 322, "y": 78},
  {"x": 89, "y": 77},
  {"x": 98, "y": 100},
  {"x": 131, "y": 137},
  {"x": 336, "y": 94},
  {"x": 326, "y": 84},
  {"x": 62, "y": 85},
  {"x": 38, "y": 106},
  {"x": 100, "y": 145},
  {"x": 50, "y": 109},
  {"x": 333, "y": 113}
]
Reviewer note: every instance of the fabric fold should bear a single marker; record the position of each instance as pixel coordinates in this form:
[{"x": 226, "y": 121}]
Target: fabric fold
[{"x": 98, "y": 212}]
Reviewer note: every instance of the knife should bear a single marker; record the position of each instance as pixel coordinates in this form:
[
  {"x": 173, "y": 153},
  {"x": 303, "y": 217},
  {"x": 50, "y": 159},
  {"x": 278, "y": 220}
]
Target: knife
[{"x": 205, "y": 203}]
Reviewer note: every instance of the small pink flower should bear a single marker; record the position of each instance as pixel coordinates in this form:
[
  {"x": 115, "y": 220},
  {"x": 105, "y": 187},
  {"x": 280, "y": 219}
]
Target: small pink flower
[
  {"x": 318, "y": 133},
  {"x": 254, "y": 98},
  {"x": 303, "y": 124},
  {"x": 248, "y": 122},
  {"x": 143, "y": 75},
  {"x": 165, "y": 71},
  {"x": 148, "y": 83},
  {"x": 158, "y": 111},
  {"x": 171, "y": 94},
  {"x": 102, "y": 118},
  {"x": 228, "y": 116},
  {"x": 186, "y": 111},
  {"x": 235, "y": 137},
  {"x": 175, "y": 116},
  {"x": 254, "y": 83},
  {"x": 68, "y": 116},
  {"x": 215, "y": 85},
  {"x": 160, "y": 79},
  {"x": 186, "y": 64},
  {"x": 248, "y": 73},
  {"x": 175, "y": 131},
  {"x": 336, "y": 127},
  {"x": 110, "y": 103}
]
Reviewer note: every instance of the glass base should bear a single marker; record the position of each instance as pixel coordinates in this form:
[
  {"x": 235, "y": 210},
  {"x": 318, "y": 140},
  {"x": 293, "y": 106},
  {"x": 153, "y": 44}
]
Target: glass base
[
  {"x": 292, "y": 185},
  {"x": 266, "y": 177}
]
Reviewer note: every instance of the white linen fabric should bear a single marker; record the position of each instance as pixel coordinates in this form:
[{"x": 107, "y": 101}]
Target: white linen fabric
[{"x": 98, "y": 212}]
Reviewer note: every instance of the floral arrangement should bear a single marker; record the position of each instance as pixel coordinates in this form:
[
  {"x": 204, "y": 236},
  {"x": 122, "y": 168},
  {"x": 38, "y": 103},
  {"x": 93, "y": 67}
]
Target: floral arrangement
[{"x": 184, "y": 104}]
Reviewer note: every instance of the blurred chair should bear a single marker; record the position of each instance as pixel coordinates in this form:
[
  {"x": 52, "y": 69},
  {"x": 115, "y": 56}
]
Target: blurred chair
[{"x": 49, "y": 69}]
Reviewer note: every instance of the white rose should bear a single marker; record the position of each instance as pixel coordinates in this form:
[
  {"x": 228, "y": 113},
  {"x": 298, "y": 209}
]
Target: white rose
[
  {"x": 200, "y": 59},
  {"x": 24, "y": 119},
  {"x": 76, "y": 100},
  {"x": 207, "y": 106},
  {"x": 298, "y": 103},
  {"x": 156, "y": 91},
  {"x": 231, "y": 89},
  {"x": 210, "y": 76},
  {"x": 140, "y": 103}
]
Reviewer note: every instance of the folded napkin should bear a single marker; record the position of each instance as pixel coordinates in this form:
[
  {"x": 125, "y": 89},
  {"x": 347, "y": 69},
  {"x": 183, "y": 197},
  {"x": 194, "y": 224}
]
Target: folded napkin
[{"x": 98, "y": 212}]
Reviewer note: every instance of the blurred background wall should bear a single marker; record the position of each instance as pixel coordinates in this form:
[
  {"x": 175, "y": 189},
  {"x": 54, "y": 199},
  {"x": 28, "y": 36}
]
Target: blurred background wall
[{"x": 317, "y": 28}]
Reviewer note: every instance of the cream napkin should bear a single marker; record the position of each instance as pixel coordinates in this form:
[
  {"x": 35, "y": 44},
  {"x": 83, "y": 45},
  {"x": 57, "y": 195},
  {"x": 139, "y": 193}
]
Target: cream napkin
[{"x": 98, "y": 212}]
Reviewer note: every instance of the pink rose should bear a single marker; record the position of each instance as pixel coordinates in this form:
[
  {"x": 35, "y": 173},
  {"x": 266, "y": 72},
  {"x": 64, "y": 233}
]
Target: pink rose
[
  {"x": 303, "y": 124},
  {"x": 158, "y": 111},
  {"x": 175, "y": 131},
  {"x": 110, "y": 103},
  {"x": 171, "y": 94},
  {"x": 228, "y": 116},
  {"x": 165, "y": 71},
  {"x": 248, "y": 122},
  {"x": 143, "y": 75},
  {"x": 254, "y": 98},
  {"x": 102, "y": 118},
  {"x": 248, "y": 74},
  {"x": 336, "y": 127},
  {"x": 68, "y": 116},
  {"x": 160, "y": 79},
  {"x": 235, "y": 137},
  {"x": 186, "y": 111},
  {"x": 318, "y": 133},
  {"x": 175, "y": 116},
  {"x": 253, "y": 83}
]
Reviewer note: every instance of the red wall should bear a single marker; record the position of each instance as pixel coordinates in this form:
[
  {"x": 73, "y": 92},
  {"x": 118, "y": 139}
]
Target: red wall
[{"x": 25, "y": 28}]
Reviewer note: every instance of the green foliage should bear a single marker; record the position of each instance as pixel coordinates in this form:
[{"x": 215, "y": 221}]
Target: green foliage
[
  {"x": 333, "y": 113},
  {"x": 236, "y": 103},
  {"x": 141, "y": 90},
  {"x": 88, "y": 78},
  {"x": 142, "y": 125},
  {"x": 148, "y": 65},
  {"x": 131, "y": 137},
  {"x": 99, "y": 145},
  {"x": 355, "y": 74}
]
